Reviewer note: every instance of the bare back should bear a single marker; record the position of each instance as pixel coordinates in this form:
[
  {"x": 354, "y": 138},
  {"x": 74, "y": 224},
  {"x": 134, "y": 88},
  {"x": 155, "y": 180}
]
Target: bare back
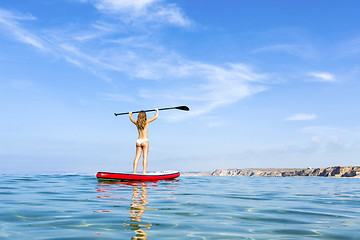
[{"x": 143, "y": 133}]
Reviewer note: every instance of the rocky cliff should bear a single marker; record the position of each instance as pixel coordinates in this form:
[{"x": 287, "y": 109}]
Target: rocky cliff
[{"x": 338, "y": 171}]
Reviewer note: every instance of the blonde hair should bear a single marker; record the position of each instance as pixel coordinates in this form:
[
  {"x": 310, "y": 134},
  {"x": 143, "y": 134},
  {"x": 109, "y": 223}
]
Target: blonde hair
[{"x": 141, "y": 120}]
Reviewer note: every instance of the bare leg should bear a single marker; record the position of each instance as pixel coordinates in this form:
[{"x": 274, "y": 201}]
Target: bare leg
[
  {"x": 137, "y": 157},
  {"x": 145, "y": 149}
]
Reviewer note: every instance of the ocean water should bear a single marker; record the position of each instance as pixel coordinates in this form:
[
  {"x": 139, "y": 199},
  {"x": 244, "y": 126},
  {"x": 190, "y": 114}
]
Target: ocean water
[{"x": 81, "y": 207}]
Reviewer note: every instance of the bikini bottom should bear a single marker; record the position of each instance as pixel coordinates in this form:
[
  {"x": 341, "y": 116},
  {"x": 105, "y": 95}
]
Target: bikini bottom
[{"x": 141, "y": 140}]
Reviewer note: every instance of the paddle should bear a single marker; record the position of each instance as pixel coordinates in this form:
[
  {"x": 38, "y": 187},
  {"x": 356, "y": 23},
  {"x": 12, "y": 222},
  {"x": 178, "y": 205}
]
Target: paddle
[{"x": 184, "y": 108}]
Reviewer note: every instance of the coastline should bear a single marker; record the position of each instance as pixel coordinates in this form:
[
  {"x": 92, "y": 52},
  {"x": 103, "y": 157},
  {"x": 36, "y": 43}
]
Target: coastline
[{"x": 337, "y": 171}]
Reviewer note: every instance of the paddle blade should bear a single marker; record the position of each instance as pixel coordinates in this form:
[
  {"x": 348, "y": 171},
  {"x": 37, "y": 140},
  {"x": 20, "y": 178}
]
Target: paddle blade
[{"x": 184, "y": 108}]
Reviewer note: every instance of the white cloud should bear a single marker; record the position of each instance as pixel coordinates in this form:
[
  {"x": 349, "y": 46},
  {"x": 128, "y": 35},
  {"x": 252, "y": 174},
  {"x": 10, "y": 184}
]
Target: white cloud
[
  {"x": 349, "y": 48},
  {"x": 209, "y": 86},
  {"x": 10, "y": 23},
  {"x": 336, "y": 142},
  {"x": 328, "y": 131},
  {"x": 323, "y": 76},
  {"x": 144, "y": 10},
  {"x": 124, "y": 5},
  {"x": 216, "y": 124},
  {"x": 298, "y": 50},
  {"x": 206, "y": 86},
  {"x": 301, "y": 117},
  {"x": 293, "y": 41},
  {"x": 315, "y": 139},
  {"x": 6, "y": 16},
  {"x": 331, "y": 138},
  {"x": 172, "y": 14}
]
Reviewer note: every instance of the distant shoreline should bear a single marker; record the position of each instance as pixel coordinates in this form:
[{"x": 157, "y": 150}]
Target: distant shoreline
[{"x": 337, "y": 171}]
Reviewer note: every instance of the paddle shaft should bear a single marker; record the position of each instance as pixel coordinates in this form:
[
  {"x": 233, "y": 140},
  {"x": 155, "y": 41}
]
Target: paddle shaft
[{"x": 185, "y": 108}]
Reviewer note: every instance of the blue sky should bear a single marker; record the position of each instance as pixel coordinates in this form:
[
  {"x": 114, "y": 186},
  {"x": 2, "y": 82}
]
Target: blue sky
[{"x": 269, "y": 84}]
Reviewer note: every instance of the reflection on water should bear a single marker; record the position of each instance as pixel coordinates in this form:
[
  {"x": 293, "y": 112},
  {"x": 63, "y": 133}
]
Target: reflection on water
[
  {"x": 134, "y": 194},
  {"x": 137, "y": 209}
]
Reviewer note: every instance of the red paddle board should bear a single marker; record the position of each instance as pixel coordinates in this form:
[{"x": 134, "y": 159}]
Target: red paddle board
[{"x": 153, "y": 176}]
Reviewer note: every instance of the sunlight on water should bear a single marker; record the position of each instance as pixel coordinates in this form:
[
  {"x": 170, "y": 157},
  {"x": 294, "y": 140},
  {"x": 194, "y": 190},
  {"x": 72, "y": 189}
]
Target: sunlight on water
[{"x": 80, "y": 207}]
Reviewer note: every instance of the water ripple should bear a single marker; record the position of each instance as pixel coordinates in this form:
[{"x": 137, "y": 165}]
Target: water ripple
[{"x": 80, "y": 207}]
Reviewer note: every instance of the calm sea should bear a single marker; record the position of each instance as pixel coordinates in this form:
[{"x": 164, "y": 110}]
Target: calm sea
[{"x": 80, "y": 207}]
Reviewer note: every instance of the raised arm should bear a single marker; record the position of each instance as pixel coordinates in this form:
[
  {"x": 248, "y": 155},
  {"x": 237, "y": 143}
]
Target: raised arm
[
  {"x": 155, "y": 117},
  {"x": 131, "y": 118}
]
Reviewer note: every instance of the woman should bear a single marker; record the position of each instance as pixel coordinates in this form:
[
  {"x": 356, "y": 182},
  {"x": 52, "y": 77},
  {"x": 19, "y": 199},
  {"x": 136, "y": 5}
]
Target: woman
[{"x": 142, "y": 144}]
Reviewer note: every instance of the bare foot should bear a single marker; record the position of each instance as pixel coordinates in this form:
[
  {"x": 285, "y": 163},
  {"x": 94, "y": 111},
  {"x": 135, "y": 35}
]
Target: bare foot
[{"x": 145, "y": 173}]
